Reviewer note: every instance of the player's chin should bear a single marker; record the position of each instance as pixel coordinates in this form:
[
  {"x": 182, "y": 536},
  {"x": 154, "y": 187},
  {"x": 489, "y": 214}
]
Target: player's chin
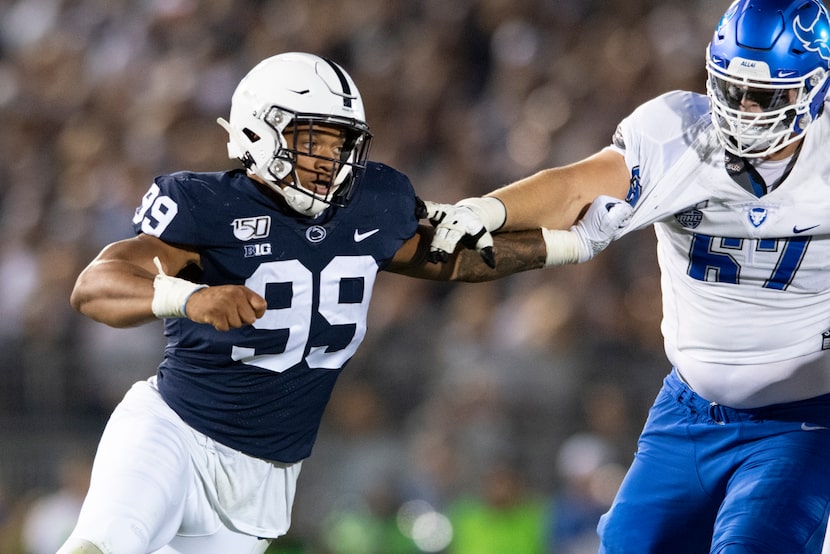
[{"x": 319, "y": 188}]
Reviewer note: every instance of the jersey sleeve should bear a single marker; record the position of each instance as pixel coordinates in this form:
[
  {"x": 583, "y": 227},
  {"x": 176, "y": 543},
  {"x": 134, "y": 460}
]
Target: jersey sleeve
[
  {"x": 390, "y": 201},
  {"x": 659, "y": 131},
  {"x": 659, "y": 141},
  {"x": 168, "y": 209}
]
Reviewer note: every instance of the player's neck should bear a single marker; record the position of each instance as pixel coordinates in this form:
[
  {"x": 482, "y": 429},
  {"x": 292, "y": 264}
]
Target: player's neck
[{"x": 784, "y": 153}]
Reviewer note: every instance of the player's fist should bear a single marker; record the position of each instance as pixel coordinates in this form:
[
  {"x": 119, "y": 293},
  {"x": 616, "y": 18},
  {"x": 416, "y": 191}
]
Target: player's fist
[
  {"x": 225, "y": 306},
  {"x": 469, "y": 223},
  {"x": 601, "y": 225}
]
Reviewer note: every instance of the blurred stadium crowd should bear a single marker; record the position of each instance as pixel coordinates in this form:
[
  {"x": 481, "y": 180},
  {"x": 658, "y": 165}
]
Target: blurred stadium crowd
[{"x": 501, "y": 411}]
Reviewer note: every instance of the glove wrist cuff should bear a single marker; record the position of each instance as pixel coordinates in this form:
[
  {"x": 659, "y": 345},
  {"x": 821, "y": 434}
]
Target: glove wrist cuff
[
  {"x": 170, "y": 294},
  {"x": 489, "y": 209},
  {"x": 563, "y": 247}
]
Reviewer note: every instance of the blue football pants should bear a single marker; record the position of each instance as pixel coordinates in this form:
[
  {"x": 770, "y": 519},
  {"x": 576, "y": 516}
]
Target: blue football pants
[{"x": 707, "y": 478}]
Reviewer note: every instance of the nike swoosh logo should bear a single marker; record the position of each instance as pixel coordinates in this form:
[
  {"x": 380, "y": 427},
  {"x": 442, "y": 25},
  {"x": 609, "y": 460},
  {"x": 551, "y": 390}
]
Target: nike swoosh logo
[
  {"x": 808, "y": 427},
  {"x": 796, "y": 230},
  {"x": 359, "y": 237},
  {"x": 300, "y": 92}
]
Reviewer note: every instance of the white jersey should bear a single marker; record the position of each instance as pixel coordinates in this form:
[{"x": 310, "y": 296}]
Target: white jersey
[{"x": 745, "y": 273}]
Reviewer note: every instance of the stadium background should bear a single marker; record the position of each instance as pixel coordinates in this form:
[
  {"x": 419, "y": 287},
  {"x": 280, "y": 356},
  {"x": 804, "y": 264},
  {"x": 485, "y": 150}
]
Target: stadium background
[{"x": 549, "y": 373}]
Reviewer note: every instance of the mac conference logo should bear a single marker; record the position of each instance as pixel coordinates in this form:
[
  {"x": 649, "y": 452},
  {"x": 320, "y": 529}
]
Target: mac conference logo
[{"x": 690, "y": 219}]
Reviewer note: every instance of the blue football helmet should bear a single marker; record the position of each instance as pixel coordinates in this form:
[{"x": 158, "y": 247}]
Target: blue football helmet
[
  {"x": 768, "y": 68},
  {"x": 292, "y": 90}
]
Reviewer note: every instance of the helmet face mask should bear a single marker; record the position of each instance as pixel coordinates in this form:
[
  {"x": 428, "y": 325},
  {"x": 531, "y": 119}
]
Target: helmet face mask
[
  {"x": 279, "y": 110},
  {"x": 322, "y": 156},
  {"x": 767, "y": 70}
]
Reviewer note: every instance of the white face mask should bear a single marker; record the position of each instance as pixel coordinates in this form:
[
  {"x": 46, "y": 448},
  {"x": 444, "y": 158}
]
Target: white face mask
[
  {"x": 756, "y": 114},
  {"x": 281, "y": 158}
]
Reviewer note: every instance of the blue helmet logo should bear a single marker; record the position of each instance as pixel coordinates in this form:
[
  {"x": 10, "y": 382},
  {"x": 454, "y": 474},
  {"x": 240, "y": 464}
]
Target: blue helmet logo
[{"x": 814, "y": 37}]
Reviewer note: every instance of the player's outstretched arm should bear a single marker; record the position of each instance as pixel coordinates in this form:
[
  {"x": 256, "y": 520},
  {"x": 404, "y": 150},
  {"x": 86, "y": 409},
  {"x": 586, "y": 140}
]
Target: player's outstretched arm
[
  {"x": 131, "y": 282},
  {"x": 511, "y": 253},
  {"x": 556, "y": 198},
  {"x": 516, "y": 251},
  {"x": 553, "y": 198}
]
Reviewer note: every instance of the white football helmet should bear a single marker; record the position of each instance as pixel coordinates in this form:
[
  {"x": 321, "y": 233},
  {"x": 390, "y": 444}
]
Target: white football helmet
[{"x": 292, "y": 90}]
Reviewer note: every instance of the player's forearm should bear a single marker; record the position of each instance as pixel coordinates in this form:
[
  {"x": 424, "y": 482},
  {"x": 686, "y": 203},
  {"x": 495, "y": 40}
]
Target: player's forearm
[
  {"x": 556, "y": 198},
  {"x": 515, "y": 252},
  {"x": 541, "y": 200},
  {"x": 114, "y": 292}
]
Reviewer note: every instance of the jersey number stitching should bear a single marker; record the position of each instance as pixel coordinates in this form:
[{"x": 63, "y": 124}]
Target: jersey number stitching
[
  {"x": 156, "y": 211},
  {"x": 297, "y": 317},
  {"x": 708, "y": 264}
]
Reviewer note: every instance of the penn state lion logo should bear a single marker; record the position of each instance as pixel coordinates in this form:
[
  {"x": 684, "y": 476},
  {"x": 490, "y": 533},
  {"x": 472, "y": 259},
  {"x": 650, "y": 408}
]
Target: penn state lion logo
[
  {"x": 814, "y": 37},
  {"x": 315, "y": 233}
]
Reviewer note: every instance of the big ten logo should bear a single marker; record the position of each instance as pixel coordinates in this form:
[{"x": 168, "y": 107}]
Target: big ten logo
[
  {"x": 261, "y": 249},
  {"x": 248, "y": 228}
]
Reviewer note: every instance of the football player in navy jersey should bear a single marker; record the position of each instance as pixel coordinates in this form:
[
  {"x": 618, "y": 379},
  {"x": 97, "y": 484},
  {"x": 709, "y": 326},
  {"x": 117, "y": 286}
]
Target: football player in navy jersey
[
  {"x": 263, "y": 276},
  {"x": 734, "y": 455}
]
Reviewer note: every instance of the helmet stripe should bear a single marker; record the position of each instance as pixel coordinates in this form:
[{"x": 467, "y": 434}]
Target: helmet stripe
[{"x": 344, "y": 82}]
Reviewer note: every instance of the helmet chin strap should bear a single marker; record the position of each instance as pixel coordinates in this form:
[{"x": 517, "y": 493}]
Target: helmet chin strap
[
  {"x": 305, "y": 204},
  {"x": 301, "y": 201}
]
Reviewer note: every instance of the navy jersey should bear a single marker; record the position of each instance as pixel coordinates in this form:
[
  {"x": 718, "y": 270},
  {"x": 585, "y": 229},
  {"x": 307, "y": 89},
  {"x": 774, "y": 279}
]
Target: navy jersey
[{"x": 262, "y": 389}]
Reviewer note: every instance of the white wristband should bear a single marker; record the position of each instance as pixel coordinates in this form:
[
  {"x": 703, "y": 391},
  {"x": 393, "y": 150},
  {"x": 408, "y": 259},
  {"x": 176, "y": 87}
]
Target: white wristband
[
  {"x": 489, "y": 209},
  {"x": 170, "y": 294},
  {"x": 563, "y": 247}
]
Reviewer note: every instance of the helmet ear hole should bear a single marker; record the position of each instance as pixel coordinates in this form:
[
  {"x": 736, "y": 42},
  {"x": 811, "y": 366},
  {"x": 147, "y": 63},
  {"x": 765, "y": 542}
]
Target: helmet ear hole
[
  {"x": 280, "y": 168},
  {"x": 247, "y": 160},
  {"x": 252, "y": 136}
]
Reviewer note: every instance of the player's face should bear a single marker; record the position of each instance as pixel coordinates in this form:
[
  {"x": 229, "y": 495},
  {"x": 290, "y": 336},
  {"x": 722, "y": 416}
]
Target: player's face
[
  {"x": 757, "y": 100},
  {"x": 319, "y": 149}
]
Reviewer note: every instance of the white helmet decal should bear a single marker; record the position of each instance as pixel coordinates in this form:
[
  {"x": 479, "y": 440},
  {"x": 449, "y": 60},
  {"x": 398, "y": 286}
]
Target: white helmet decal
[{"x": 811, "y": 38}]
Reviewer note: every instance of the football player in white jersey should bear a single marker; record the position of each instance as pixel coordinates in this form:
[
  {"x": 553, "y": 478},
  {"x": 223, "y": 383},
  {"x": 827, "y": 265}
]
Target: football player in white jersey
[
  {"x": 263, "y": 275},
  {"x": 735, "y": 454}
]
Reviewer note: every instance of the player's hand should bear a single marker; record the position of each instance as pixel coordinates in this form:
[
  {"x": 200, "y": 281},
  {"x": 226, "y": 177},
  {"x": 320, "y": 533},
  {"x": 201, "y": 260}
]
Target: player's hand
[
  {"x": 469, "y": 223},
  {"x": 225, "y": 306},
  {"x": 600, "y": 225}
]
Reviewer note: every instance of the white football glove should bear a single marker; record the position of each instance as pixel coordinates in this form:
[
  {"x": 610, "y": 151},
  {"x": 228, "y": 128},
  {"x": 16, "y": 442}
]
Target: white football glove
[
  {"x": 591, "y": 235},
  {"x": 468, "y": 222}
]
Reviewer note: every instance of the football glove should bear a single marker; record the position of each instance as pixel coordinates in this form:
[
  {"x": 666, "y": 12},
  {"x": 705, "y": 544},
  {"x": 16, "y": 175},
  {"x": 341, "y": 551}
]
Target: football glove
[
  {"x": 469, "y": 222},
  {"x": 591, "y": 235}
]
